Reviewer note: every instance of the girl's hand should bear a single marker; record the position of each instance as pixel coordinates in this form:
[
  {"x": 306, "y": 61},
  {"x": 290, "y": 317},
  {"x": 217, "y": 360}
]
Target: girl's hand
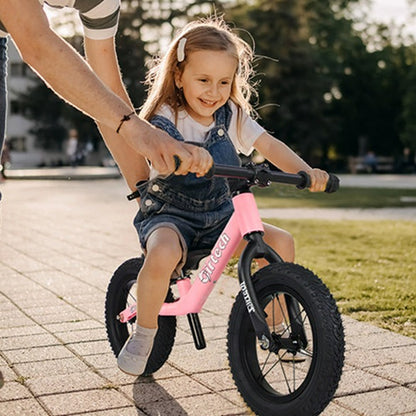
[{"x": 319, "y": 178}]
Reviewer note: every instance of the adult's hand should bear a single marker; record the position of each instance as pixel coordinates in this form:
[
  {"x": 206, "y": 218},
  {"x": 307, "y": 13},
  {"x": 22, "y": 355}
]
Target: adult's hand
[{"x": 161, "y": 149}]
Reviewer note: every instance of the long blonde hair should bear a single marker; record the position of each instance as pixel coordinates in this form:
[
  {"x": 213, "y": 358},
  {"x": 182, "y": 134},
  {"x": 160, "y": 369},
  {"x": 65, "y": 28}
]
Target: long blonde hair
[{"x": 205, "y": 34}]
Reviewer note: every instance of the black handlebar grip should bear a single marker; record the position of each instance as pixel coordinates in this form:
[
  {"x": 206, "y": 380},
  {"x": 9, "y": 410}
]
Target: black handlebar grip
[
  {"x": 211, "y": 172},
  {"x": 333, "y": 184},
  {"x": 178, "y": 162},
  {"x": 306, "y": 180}
]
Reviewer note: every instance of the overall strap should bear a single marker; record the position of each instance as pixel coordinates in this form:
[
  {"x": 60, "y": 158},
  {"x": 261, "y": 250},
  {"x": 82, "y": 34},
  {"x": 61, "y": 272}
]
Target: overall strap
[
  {"x": 166, "y": 125},
  {"x": 223, "y": 116}
]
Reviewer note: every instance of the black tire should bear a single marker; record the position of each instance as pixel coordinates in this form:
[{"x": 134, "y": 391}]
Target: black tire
[
  {"x": 120, "y": 295},
  {"x": 280, "y": 383}
]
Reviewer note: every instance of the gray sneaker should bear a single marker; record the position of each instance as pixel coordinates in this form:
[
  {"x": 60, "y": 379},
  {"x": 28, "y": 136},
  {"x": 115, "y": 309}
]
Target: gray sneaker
[{"x": 135, "y": 353}]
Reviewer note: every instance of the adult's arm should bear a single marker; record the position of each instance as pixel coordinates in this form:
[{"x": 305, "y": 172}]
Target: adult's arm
[
  {"x": 68, "y": 74},
  {"x": 101, "y": 55}
]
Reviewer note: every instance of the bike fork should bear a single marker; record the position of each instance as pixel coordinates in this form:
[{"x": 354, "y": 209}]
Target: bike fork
[{"x": 256, "y": 248}]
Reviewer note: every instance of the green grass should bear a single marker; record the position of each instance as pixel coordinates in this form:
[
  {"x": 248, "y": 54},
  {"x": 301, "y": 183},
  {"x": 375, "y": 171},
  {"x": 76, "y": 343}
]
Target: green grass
[
  {"x": 369, "y": 266},
  {"x": 283, "y": 196}
]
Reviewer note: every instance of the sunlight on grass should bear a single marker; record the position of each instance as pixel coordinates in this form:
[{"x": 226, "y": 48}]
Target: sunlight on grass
[
  {"x": 369, "y": 267},
  {"x": 283, "y": 196}
]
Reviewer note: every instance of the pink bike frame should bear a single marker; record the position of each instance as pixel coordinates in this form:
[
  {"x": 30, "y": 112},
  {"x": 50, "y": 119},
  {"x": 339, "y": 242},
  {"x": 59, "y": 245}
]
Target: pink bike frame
[{"x": 192, "y": 296}]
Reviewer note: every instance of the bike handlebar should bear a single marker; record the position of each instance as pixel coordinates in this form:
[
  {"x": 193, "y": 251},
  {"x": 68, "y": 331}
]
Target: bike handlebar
[{"x": 263, "y": 176}]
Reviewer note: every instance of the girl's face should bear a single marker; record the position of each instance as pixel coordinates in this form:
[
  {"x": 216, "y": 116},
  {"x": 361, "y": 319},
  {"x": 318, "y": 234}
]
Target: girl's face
[{"x": 206, "y": 81}]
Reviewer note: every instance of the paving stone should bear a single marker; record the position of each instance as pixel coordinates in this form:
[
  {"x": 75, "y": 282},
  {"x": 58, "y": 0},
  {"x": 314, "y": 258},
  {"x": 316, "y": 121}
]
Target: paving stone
[
  {"x": 358, "y": 381},
  {"x": 52, "y": 322},
  {"x": 13, "y": 390},
  {"x": 122, "y": 411},
  {"x": 84, "y": 401},
  {"x": 365, "y": 359},
  {"x": 205, "y": 405},
  {"x": 25, "y": 407},
  {"x": 28, "y": 341},
  {"x": 83, "y": 335},
  {"x": 211, "y": 358},
  {"x": 387, "y": 402},
  {"x": 85, "y": 324},
  {"x": 381, "y": 341},
  {"x": 165, "y": 389},
  {"x": 51, "y": 367},
  {"x": 405, "y": 354},
  {"x": 37, "y": 354},
  {"x": 334, "y": 410},
  {"x": 100, "y": 361},
  {"x": 22, "y": 330},
  {"x": 91, "y": 348},
  {"x": 216, "y": 380},
  {"x": 8, "y": 373},
  {"x": 399, "y": 373},
  {"x": 86, "y": 380}
]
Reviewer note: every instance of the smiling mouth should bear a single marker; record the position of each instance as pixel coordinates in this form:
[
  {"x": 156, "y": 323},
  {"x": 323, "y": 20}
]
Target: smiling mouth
[{"x": 208, "y": 103}]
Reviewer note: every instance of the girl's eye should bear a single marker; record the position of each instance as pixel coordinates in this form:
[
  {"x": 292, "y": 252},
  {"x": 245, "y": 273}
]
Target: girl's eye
[
  {"x": 203, "y": 80},
  {"x": 225, "y": 82}
]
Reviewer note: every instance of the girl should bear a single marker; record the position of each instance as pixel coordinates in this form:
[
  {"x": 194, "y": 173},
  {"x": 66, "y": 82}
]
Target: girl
[{"x": 199, "y": 92}]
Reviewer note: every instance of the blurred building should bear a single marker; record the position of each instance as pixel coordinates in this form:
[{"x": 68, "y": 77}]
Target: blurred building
[{"x": 24, "y": 152}]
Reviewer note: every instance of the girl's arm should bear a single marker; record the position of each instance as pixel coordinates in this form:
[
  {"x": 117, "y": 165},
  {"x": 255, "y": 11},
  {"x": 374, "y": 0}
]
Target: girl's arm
[{"x": 278, "y": 153}]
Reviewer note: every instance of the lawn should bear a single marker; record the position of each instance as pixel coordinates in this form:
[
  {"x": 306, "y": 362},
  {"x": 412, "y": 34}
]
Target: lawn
[
  {"x": 369, "y": 266},
  {"x": 284, "y": 196}
]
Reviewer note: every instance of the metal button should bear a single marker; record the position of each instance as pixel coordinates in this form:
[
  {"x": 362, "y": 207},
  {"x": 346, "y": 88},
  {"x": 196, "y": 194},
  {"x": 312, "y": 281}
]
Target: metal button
[
  {"x": 220, "y": 132},
  {"x": 155, "y": 188},
  {"x": 148, "y": 202}
]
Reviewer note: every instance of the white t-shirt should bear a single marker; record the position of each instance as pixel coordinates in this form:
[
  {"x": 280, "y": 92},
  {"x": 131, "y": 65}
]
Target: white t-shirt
[{"x": 192, "y": 131}]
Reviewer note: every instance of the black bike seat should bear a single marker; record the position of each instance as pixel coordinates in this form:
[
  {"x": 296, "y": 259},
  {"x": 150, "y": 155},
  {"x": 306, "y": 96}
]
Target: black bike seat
[{"x": 194, "y": 257}]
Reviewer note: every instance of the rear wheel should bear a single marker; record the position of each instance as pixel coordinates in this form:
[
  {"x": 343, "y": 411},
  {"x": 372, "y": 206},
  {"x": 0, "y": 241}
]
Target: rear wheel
[
  {"x": 300, "y": 375},
  {"x": 121, "y": 294}
]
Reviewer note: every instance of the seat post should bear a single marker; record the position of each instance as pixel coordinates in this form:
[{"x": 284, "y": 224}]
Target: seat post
[{"x": 197, "y": 332}]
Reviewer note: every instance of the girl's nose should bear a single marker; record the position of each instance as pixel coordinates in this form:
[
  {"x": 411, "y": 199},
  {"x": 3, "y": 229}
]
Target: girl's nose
[{"x": 213, "y": 90}]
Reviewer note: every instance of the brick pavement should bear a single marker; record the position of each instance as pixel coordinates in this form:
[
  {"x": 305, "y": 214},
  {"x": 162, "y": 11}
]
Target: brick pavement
[{"x": 61, "y": 241}]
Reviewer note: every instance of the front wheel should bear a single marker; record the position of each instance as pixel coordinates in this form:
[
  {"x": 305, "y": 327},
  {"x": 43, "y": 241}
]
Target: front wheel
[
  {"x": 299, "y": 373},
  {"x": 121, "y": 293}
]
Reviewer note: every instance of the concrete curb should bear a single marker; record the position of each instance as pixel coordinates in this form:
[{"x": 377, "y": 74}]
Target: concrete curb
[{"x": 65, "y": 173}]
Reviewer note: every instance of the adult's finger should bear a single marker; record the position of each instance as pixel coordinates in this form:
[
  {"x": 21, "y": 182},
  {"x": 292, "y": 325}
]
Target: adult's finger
[{"x": 200, "y": 161}]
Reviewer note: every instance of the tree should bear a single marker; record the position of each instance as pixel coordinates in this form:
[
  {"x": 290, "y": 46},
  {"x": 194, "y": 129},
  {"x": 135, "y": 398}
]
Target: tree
[
  {"x": 326, "y": 87},
  {"x": 303, "y": 35},
  {"x": 408, "y": 134},
  {"x": 145, "y": 26}
]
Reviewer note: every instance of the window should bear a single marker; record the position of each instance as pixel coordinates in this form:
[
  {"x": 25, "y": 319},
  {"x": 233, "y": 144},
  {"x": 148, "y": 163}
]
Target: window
[
  {"x": 19, "y": 69},
  {"x": 17, "y": 143},
  {"x": 14, "y": 107}
]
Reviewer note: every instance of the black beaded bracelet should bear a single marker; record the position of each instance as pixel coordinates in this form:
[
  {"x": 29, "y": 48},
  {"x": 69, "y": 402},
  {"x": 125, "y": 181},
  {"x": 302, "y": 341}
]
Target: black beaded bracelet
[{"x": 125, "y": 118}]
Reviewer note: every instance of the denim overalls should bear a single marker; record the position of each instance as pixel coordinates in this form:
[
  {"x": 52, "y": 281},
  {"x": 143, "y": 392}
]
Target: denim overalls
[{"x": 196, "y": 208}]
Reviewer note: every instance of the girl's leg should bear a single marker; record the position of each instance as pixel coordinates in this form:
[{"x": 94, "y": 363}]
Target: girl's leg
[
  {"x": 282, "y": 242},
  {"x": 164, "y": 251},
  {"x": 279, "y": 240}
]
